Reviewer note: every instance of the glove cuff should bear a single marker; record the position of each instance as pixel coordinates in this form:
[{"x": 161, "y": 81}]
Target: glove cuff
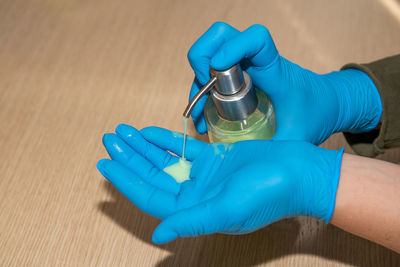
[
  {"x": 360, "y": 106},
  {"x": 334, "y": 183},
  {"x": 322, "y": 201}
]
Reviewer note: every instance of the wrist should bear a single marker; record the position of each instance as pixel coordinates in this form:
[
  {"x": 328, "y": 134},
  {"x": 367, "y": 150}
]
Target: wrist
[{"x": 359, "y": 102}]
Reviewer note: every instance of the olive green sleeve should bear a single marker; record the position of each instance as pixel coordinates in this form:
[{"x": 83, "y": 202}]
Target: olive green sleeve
[{"x": 385, "y": 73}]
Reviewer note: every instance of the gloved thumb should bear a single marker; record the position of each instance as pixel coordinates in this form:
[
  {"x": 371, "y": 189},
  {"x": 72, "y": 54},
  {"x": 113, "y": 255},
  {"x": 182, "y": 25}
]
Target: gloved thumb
[{"x": 198, "y": 220}]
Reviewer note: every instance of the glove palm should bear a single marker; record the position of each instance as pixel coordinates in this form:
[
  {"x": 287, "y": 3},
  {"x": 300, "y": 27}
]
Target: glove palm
[{"x": 234, "y": 188}]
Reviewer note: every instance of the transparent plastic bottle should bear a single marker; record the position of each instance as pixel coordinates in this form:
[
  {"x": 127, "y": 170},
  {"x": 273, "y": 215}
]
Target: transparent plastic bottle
[{"x": 258, "y": 125}]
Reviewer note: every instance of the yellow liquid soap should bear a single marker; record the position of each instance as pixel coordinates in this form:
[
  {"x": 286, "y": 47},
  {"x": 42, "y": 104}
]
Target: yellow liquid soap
[
  {"x": 184, "y": 120},
  {"x": 180, "y": 171}
]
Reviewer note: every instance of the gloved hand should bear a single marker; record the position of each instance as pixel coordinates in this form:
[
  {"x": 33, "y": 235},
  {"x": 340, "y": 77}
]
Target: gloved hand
[
  {"x": 308, "y": 106},
  {"x": 234, "y": 188}
]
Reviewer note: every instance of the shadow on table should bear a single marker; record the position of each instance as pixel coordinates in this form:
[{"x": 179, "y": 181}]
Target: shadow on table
[{"x": 291, "y": 236}]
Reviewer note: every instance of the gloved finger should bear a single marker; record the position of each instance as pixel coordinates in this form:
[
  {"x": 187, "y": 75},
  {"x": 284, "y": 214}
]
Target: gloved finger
[
  {"x": 284, "y": 135},
  {"x": 206, "y": 46},
  {"x": 199, "y": 56},
  {"x": 146, "y": 197},
  {"x": 160, "y": 158},
  {"x": 198, "y": 220},
  {"x": 198, "y": 110},
  {"x": 173, "y": 141},
  {"x": 285, "y": 128},
  {"x": 124, "y": 154},
  {"x": 255, "y": 44}
]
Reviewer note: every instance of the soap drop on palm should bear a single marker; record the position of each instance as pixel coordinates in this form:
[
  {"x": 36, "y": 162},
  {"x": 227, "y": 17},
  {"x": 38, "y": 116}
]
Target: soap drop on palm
[{"x": 180, "y": 171}]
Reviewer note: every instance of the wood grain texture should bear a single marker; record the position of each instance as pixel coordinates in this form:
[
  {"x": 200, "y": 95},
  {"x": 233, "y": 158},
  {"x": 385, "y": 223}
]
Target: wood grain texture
[{"x": 72, "y": 70}]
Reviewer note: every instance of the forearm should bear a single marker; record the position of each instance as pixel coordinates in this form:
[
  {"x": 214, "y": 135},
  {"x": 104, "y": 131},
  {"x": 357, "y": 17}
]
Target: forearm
[{"x": 368, "y": 200}]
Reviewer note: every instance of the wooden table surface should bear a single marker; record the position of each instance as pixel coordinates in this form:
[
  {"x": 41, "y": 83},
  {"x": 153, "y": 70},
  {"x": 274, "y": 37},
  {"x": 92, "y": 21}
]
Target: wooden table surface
[{"x": 71, "y": 70}]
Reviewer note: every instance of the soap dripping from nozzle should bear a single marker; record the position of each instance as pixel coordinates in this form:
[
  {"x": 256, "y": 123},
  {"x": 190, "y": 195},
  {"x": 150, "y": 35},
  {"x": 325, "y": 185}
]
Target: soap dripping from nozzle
[
  {"x": 184, "y": 120},
  {"x": 180, "y": 171},
  {"x": 186, "y": 114}
]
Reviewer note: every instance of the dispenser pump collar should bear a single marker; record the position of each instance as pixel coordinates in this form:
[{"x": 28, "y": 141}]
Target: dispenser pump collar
[{"x": 229, "y": 81}]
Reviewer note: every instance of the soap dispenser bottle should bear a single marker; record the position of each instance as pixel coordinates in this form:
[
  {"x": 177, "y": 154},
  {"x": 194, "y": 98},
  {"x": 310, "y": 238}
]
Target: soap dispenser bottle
[{"x": 235, "y": 110}]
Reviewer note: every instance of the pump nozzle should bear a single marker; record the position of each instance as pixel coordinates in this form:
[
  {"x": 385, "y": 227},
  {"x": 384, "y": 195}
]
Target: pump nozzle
[{"x": 206, "y": 88}]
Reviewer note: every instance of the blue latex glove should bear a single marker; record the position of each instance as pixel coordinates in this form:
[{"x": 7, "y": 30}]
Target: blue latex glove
[
  {"x": 308, "y": 106},
  {"x": 234, "y": 188}
]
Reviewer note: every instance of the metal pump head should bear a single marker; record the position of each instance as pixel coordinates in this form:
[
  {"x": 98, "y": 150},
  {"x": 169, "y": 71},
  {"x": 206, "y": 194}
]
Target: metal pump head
[
  {"x": 233, "y": 94},
  {"x": 229, "y": 81}
]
